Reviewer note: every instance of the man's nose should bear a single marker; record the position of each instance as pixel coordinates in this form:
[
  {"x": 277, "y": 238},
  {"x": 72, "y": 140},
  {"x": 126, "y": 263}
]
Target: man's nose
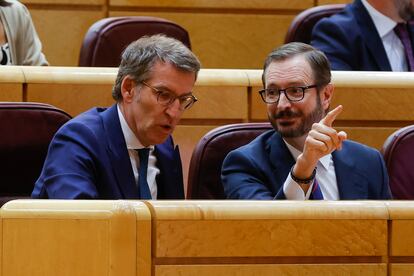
[
  {"x": 283, "y": 101},
  {"x": 174, "y": 109}
]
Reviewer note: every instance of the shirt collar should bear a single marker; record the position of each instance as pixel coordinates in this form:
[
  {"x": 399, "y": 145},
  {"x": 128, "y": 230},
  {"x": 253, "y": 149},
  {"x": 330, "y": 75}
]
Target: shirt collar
[
  {"x": 131, "y": 140},
  {"x": 324, "y": 161},
  {"x": 383, "y": 23}
]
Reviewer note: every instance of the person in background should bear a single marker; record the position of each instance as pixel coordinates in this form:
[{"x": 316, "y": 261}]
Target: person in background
[
  {"x": 19, "y": 42},
  {"x": 368, "y": 35},
  {"x": 126, "y": 151},
  {"x": 303, "y": 157}
]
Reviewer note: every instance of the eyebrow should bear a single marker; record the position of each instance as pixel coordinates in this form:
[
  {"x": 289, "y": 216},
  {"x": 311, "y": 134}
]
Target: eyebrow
[
  {"x": 166, "y": 89},
  {"x": 291, "y": 84}
]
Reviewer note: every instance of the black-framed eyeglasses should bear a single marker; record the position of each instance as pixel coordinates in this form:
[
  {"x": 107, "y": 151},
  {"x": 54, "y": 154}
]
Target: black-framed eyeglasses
[
  {"x": 167, "y": 98},
  {"x": 293, "y": 94}
]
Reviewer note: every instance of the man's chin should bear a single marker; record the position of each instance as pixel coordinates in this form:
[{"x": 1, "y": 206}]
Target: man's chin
[{"x": 289, "y": 132}]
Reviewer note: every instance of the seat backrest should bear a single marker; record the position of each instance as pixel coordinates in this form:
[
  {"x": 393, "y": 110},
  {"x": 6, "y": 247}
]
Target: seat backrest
[
  {"x": 107, "y": 38},
  {"x": 204, "y": 180},
  {"x": 300, "y": 29},
  {"x": 398, "y": 151},
  {"x": 26, "y": 131}
]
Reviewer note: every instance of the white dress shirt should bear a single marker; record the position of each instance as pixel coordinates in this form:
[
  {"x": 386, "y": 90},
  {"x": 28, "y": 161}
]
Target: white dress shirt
[
  {"x": 133, "y": 144},
  {"x": 325, "y": 174},
  {"x": 392, "y": 44}
]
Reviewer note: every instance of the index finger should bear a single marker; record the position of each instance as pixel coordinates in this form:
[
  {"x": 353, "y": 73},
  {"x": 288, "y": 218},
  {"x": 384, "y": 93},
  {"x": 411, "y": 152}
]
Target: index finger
[{"x": 331, "y": 116}]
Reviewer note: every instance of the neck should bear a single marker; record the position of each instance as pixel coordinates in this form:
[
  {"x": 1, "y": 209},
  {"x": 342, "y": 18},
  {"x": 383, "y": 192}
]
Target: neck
[
  {"x": 387, "y": 8},
  {"x": 296, "y": 142}
]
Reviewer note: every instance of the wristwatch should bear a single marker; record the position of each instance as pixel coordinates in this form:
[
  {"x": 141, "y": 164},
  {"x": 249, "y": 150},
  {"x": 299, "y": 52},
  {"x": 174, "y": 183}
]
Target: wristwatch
[{"x": 301, "y": 180}]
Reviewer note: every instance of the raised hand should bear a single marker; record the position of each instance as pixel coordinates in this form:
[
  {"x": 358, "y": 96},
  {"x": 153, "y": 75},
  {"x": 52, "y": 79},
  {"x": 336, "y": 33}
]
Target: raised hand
[{"x": 321, "y": 140}]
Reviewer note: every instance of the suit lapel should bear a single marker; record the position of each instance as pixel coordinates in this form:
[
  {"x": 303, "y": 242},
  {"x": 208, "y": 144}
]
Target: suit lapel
[
  {"x": 118, "y": 153},
  {"x": 281, "y": 159},
  {"x": 370, "y": 36},
  {"x": 411, "y": 31},
  {"x": 169, "y": 180},
  {"x": 351, "y": 184}
]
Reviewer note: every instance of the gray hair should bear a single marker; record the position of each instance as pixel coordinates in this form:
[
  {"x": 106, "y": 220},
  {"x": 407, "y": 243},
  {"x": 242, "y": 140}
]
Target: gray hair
[
  {"x": 317, "y": 60},
  {"x": 140, "y": 56}
]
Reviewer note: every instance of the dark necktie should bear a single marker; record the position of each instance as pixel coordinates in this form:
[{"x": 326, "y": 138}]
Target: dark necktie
[
  {"x": 143, "y": 188},
  {"x": 401, "y": 30},
  {"x": 316, "y": 193}
]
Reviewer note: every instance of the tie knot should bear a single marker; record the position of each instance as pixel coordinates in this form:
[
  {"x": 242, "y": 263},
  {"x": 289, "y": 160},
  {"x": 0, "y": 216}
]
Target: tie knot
[
  {"x": 401, "y": 31},
  {"x": 143, "y": 155},
  {"x": 143, "y": 152}
]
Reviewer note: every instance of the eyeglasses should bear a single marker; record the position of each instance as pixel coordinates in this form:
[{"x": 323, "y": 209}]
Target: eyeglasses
[
  {"x": 293, "y": 94},
  {"x": 166, "y": 98}
]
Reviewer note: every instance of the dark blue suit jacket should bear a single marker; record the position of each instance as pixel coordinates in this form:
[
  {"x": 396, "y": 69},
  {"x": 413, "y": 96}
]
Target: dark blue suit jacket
[
  {"x": 351, "y": 41},
  {"x": 88, "y": 158},
  {"x": 259, "y": 169}
]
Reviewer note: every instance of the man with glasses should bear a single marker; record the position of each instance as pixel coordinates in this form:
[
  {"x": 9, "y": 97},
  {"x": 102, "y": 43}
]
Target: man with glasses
[
  {"x": 304, "y": 157},
  {"x": 126, "y": 151}
]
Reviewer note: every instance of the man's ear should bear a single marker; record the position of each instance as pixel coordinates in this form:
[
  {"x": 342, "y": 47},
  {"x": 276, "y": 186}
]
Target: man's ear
[
  {"x": 327, "y": 95},
  {"x": 127, "y": 88}
]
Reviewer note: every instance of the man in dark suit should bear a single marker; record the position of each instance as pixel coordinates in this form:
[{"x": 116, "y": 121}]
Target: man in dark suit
[
  {"x": 126, "y": 151},
  {"x": 365, "y": 36},
  {"x": 304, "y": 157}
]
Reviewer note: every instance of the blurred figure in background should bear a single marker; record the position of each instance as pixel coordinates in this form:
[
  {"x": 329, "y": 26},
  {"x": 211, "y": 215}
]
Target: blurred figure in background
[
  {"x": 369, "y": 35},
  {"x": 19, "y": 42}
]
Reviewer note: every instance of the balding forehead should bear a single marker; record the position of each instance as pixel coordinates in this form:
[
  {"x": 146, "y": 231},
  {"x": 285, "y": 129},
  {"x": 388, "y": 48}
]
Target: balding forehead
[{"x": 294, "y": 69}]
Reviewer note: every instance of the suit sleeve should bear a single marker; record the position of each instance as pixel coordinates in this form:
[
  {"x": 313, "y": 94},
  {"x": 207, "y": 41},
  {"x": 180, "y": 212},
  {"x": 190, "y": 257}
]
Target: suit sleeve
[
  {"x": 332, "y": 39},
  {"x": 244, "y": 178},
  {"x": 69, "y": 171}
]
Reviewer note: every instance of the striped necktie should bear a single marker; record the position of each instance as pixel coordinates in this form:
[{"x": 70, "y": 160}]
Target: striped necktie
[
  {"x": 401, "y": 30},
  {"x": 316, "y": 193}
]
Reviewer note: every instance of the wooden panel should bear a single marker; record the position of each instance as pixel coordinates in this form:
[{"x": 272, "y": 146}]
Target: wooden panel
[
  {"x": 11, "y": 83},
  {"x": 72, "y": 98},
  {"x": 257, "y": 106},
  {"x": 230, "y": 40},
  {"x": 13, "y": 74},
  {"x": 378, "y": 104},
  {"x": 402, "y": 239},
  {"x": 219, "y": 4},
  {"x": 69, "y": 2},
  {"x": 62, "y": 32},
  {"x": 11, "y": 92},
  {"x": 402, "y": 225},
  {"x": 402, "y": 269},
  {"x": 370, "y": 136},
  {"x": 143, "y": 239},
  {"x": 271, "y": 238},
  {"x": 83, "y": 253},
  {"x": 326, "y": 2},
  {"x": 266, "y": 228},
  {"x": 187, "y": 137},
  {"x": 271, "y": 269},
  {"x": 51, "y": 237},
  {"x": 387, "y": 104},
  {"x": 219, "y": 103}
]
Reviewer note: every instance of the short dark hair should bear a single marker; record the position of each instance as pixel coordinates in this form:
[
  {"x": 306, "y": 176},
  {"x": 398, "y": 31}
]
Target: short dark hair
[
  {"x": 317, "y": 60},
  {"x": 140, "y": 56}
]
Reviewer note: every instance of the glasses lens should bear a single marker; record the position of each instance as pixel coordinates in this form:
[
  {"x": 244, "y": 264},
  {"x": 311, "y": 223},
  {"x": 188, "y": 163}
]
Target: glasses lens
[
  {"x": 271, "y": 95},
  {"x": 165, "y": 98},
  {"x": 186, "y": 102},
  {"x": 294, "y": 93}
]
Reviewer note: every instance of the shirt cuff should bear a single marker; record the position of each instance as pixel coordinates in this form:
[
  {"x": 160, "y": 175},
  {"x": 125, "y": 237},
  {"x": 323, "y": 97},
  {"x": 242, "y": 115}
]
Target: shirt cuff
[{"x": 293, "y": 191}]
